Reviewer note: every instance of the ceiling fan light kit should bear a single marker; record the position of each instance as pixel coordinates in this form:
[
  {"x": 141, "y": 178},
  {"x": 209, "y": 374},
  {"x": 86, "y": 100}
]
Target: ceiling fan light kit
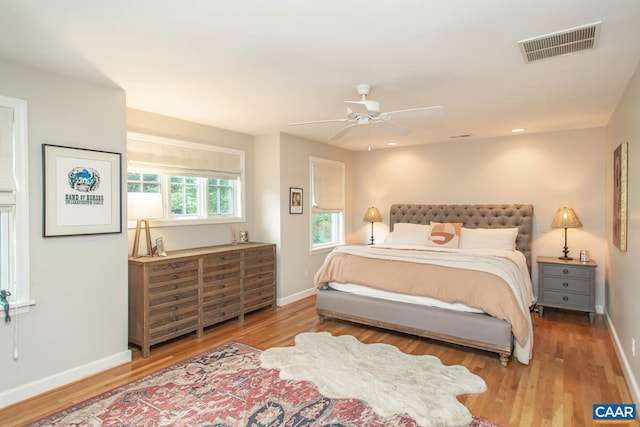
[{"x": 368, "y": 112}]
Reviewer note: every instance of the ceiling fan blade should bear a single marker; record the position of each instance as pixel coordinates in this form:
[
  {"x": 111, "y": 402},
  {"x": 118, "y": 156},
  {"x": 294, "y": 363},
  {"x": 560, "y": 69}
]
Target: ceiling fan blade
[
  {"x": 393, "y": 128},
  {"x": 341, "y": 132},
  {"x": 318, "y": 121},
  {"x": 414, "y": 112},
  {"x": 358, "y": 107}
]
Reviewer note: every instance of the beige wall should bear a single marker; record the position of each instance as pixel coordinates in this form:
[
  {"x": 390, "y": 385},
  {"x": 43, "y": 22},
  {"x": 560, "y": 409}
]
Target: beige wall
[
  {"x": 623, "y": 268},
  {"x": 548, "y": 170},
  {"x": 79, "y": 323},
  {"x": 193, "y": 236},
  {"x": 297, "y": 265}
]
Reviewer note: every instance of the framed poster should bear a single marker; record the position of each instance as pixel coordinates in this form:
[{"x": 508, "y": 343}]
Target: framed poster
[
  {"x": 620, "y": 197},
  {"x": 82, "y": 191},
  {"x": 295, "y": 200}
]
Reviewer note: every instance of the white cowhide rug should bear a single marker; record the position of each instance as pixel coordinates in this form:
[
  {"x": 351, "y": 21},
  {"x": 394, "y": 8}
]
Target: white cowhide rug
[{"x": 390, "y": 381}]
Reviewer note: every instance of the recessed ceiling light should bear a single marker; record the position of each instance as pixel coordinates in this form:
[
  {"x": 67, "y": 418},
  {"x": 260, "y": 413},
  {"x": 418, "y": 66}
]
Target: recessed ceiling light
[
  {"x": 517, "y": 130},
  {"x": 392, "y": 143}
]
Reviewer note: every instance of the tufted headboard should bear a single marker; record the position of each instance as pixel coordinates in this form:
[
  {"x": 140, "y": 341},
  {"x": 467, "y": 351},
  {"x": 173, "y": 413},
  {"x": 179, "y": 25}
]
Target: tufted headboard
[{"x": 472, "y": 216}]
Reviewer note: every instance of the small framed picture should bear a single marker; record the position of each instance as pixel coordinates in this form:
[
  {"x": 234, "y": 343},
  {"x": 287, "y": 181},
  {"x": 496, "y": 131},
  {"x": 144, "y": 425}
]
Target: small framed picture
[
  {"x": 160, "y": 247},
  {"x": 295, "y": 200}
]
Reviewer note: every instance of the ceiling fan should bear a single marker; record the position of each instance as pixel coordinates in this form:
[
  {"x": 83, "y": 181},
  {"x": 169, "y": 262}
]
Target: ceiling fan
[{"x": 367, "y": 112}]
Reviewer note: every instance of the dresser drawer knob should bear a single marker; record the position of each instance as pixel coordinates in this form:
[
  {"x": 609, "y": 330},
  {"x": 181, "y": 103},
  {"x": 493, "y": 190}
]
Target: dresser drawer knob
[
  {"x": 175, "y": 276},
  {"x": 565, "y": 271},
  {"x": 565, "y": 298},
  {"x": 174, "y": 265},
  {"x": 174, "y": 287},
  {"x": 565, "y": 284},
  {"x": 175, "y": 298},
  {"x": 175, "y": 308},
  {"x": 222, "y": 295}
]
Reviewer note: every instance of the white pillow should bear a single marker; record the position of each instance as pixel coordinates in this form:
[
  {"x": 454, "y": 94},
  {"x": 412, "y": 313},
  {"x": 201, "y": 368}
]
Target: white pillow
[
  {"x": 488, "y": 238},
  {"x": 411, "y": 234}
]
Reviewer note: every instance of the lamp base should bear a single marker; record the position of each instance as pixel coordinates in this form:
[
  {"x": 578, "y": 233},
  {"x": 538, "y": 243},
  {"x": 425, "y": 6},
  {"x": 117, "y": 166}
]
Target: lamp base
[
  {"x": 136, "y": 239},
  {"x": 566, "y": 258}
]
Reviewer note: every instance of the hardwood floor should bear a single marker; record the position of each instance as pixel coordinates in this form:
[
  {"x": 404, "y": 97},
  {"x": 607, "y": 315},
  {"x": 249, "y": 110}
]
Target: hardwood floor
[{"x": 574, "y": 366}]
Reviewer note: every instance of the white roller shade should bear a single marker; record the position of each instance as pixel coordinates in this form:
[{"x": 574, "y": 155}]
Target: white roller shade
[
  {"x": 328, "y": 185},
  {"x": 7, "y": 179},
  {"x": 179, "y": 158}
]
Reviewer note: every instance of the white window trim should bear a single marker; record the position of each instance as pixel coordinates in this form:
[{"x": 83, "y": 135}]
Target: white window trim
[
  {"x": 241, "y": 198},
  {"x": 21, "y": 263},
  {"x": 328, "y": 247}
]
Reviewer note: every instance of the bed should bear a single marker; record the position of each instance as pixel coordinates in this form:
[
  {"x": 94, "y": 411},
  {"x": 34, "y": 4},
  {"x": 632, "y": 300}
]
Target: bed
[{"x": 460, "y": 292}]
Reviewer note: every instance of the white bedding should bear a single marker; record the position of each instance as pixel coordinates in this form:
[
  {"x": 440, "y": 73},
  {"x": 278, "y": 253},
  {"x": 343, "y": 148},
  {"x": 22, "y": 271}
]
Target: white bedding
[{"x": 393, "y": 296}]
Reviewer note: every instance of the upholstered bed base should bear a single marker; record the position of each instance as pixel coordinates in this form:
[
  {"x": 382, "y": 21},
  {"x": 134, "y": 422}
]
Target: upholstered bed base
[{"x": 469, "y": 329}]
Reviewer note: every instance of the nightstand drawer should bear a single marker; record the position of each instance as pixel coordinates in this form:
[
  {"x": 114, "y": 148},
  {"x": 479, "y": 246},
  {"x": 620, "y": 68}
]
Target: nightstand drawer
[
  {"x": 566, "y": 299},
  {"x": 566, "y": 270},
  {"x": 565, "y": 284}
]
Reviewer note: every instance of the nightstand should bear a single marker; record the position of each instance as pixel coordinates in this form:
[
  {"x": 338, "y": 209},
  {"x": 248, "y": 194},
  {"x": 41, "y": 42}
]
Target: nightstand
[{"x": 569, "y": 284}]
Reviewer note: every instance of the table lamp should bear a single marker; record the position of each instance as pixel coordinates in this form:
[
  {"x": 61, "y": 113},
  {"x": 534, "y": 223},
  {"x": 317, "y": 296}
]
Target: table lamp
[
  {"x": 565, "y": 218},
  {"x": 372, "y": 215},
  {"x": 142, "y": 207}
]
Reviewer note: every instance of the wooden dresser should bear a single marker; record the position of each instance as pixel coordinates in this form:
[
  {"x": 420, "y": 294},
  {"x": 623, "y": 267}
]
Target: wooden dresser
[{"x": 189, "y": 290}]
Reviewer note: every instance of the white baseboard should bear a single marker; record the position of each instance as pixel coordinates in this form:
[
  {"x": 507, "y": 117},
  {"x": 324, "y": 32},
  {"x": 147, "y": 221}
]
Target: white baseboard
[
  {"x": 9, "y": 397},
  {"x": 296, "y": 297},
  {"x": 626, "y": 368}
]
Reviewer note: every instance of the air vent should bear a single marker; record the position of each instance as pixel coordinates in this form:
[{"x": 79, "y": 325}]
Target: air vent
[{"x": 560, "y": 43}]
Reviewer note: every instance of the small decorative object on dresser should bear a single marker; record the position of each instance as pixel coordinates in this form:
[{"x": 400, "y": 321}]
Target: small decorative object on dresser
[{"x": 566, "y": 284}]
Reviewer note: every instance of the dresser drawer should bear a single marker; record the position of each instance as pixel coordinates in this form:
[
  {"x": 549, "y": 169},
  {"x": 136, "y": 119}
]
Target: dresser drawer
[
  {"x": 567, "y": 271},
  {"x": 174, "y": 297},
  {"x": 165, "y": 328},
  {"x": 229, "y": 278},
  {"x": 566, "y": 284},
  {"x": 566, "y": 299},
  {"x": 257, "y": 299},
  {"x": 179, "y": 274},
  {"x": 220, "y": 309},
  {"x": 223, "y": 264},
  {"x": 264, "y": 257},
  {"x": 176, "y": 287}
]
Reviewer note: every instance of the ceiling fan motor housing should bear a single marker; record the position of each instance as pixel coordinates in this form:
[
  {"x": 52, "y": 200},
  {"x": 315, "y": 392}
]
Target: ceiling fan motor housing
[{"x": 372, "y": 108}]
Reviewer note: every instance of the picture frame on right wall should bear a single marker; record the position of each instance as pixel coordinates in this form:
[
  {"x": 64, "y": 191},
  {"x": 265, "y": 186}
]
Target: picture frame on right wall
[
  {"x": 295, "y": 200},
  {"x": 620, "y": 197}
]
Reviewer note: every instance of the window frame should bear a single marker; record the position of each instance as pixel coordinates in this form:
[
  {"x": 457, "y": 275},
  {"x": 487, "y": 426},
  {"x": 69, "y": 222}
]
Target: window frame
[
  {"x": 203, "y": 217},
  {"x": 17, "y": 217},
  {"x": 326, "y": 247}
]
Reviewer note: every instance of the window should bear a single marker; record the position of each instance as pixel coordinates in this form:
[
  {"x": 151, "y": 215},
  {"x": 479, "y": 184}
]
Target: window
[
  {"x": 14, "y": 198},
  {"x": 327, "y": 210},
  {"x": 198, "y": 182}
]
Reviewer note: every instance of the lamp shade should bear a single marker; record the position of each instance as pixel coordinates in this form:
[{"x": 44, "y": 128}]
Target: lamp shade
[
  {"x": 372, "y": 215},
  {"x": 565, "y": 218},
  {"x": 144, "y": 205}
]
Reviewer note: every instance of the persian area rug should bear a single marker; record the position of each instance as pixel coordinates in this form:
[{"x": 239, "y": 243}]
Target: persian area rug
[
  {"x": 390, "y": 381},
  {"x": 224, "y": 387}
]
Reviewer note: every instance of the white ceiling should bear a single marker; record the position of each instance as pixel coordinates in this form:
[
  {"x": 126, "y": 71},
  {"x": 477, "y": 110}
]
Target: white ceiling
[{"x": 254, "y": 66}]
